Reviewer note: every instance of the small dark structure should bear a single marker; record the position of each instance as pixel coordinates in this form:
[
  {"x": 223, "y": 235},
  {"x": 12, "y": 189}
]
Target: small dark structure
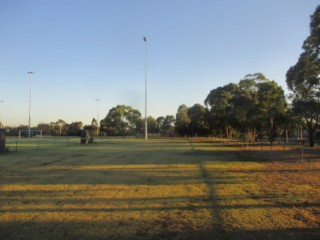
[
  {"x": 86, "y": 137},
  {"x": 2, "y": 140}
]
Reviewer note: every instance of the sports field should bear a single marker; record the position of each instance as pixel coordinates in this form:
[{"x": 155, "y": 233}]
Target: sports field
[{"x": 160, "y": 189}]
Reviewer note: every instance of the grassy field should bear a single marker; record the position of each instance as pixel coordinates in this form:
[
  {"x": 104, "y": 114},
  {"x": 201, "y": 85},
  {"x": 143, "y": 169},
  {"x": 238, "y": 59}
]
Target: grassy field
[{"x": 160, "y": 189}]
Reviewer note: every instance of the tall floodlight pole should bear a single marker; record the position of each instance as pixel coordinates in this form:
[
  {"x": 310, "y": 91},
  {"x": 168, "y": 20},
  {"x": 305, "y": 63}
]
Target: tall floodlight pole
[
  {"x": 146, "y": 95},
  {"x": 98, "y": 125},
  {"x": 1, "y": 101},
  {"x": 30, "y": 98}
]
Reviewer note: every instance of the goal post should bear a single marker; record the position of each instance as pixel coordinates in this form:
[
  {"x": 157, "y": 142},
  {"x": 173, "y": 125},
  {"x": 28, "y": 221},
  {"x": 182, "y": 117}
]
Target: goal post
[{"x": 33, "y": 133}]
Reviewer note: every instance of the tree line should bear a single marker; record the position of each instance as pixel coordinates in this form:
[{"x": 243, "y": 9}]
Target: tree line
[
  {"x": 121, "y": 120},
  {"x": 257, "y": 107},
  {"x": 253, "y": 108}
]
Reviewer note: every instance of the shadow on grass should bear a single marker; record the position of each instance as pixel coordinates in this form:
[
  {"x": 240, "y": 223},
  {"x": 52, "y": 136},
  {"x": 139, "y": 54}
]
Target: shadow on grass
[
  {"x": 129, "y": 230},
  {"x": 149, "y": 165}
]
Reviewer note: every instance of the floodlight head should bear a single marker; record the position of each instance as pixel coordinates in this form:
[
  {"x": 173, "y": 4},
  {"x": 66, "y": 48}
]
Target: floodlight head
[{"x": 145, "y": 39}]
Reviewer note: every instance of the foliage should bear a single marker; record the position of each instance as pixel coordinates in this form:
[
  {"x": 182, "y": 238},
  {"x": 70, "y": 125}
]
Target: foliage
[
  {"x": 61, "y": 128},
  {"x": 250, "y": 106},
  {"x": 160, "y": 121},
  {"x": 152, "y": 125},
  {"x": 192, "y": 121},
  {"x": 303, "y": 79},
  {"x": 182, "y": 121},
  {"x": 219, "y": 104},
  {"x": 198, "y": 124},
  {"x": 74, "y": 128},
  {"x": 272, "y": 106},
  {"x": 168, "y": 124},
  {"x": 121, "y": 120}
]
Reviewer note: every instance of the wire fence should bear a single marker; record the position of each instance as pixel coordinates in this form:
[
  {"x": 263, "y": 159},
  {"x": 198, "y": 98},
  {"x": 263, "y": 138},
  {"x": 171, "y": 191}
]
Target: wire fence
[
  {"x": 16, "y": 144},
  {"x": 300, "y": 147}
]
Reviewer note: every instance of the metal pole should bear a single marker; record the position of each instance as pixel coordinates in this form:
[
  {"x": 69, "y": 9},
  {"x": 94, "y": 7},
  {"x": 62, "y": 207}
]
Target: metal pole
[
  {"x": 98, "y": 100},
  {"x": 30, "y": 98},
  {"x": 146, "y": 95},
  {"x": 2, "y": 101}
]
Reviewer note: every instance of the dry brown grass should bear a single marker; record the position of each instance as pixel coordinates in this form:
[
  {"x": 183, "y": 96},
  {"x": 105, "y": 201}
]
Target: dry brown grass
[{"x": 161, "y": 189}]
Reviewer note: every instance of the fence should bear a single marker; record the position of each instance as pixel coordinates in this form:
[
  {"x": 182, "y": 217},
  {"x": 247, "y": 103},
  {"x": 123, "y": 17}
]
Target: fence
[{"x": 16, "y": 144}]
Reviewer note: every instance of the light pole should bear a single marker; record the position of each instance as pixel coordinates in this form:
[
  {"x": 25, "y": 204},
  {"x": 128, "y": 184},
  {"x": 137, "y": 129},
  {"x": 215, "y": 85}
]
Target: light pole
[
  {"x": 145, "y": 89},
  {"x": 30, "y": 96},
  {"x": 2, "y": 101},
  {"x": 98, "y": 100}
]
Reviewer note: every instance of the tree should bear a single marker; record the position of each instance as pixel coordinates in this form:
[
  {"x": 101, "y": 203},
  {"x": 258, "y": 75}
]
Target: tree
[
  {"x": 246, "y": 107},
  {"x": 74, "y": 128},
  {"x": 198, "y": 124},
  {"x": 220, "y": 108},
  {"x": 182, "y": 121},
  {"x": 271, "y": 105},
  {"x": 61, "y": 127},
  {"x": 152, "y": 125},
  {"x": 121, "y": 120},
  {"x": 93, "y": 127},
  {"x": 168, "y": 124},
  {"x": 57, "y": 128},
  {"x": 160, "y": 121},
  {"x": 303, "y": 79},
  {"x": 45, "y": 127}
]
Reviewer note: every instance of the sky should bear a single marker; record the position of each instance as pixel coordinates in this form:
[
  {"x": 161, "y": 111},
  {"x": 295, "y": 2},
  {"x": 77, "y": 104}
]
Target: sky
[{"x": 82, "y": 50}]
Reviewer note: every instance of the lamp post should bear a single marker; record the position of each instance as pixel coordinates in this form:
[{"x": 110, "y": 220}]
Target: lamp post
[
  {"x": 145, "y": 89},
  {"x": 2, "y": 101},
  {"x": 98, "y": 100},
  {"x": 30, "y": 98}
]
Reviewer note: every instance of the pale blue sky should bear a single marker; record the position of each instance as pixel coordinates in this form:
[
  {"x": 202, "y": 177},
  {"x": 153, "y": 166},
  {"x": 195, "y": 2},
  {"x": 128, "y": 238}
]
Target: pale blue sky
[{"x": 82, "y": 50}]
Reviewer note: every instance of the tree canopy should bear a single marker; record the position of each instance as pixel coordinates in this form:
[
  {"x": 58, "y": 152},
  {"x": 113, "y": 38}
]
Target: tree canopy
[
  {"x": 247, "y": 107},
  {"x": 303, "y": 79},
  {"x": 121, "y": 120}
]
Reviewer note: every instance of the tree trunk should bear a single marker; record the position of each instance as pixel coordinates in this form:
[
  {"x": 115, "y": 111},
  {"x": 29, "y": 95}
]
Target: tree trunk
[
  {"x": 311, "y": 138},
  {"x": 271, "y": 130}
]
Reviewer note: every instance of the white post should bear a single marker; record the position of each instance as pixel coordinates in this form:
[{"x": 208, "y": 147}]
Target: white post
[
  {"x": 30, "y": 96},
  {"x": 146, "y": 95},
  {"x": 98, "y": 100},
  {"x": 1, "y": 125}
]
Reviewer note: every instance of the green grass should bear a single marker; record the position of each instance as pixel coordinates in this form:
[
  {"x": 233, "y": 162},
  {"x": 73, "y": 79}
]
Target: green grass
[{"x": 160, "y": 189}]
